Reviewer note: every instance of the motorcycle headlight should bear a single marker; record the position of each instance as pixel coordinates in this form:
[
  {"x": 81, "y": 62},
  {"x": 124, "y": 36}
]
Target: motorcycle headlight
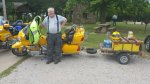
[{"x": 19, "y": 38}]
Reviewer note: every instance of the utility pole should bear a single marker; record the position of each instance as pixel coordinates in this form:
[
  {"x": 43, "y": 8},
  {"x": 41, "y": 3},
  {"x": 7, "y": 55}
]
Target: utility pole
[{"x": 4, "y": 9}]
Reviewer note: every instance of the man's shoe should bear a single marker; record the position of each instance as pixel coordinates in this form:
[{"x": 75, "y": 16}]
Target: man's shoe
[
  {"x": 49, "y": 61},
  {"x": 57, "y": 61}
]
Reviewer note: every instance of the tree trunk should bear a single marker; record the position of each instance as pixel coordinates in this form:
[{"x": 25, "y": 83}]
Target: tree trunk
[
  {"x": 145, "y": 27},
  {"x": 77, "y": 14},
  {"x": 126, "y": 22},
  {"x": 97, "y": 16},
  {"x": 103, "y": 16},
  {"x": 141, "y": 23}
]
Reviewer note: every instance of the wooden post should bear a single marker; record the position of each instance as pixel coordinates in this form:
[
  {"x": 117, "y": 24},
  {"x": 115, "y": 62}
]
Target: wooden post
[{"x": 4, "y": 9}]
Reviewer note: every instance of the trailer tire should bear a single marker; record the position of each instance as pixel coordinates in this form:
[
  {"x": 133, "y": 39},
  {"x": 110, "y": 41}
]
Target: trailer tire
[
  {"x": 91, "y": 50},
  {"x": 123, "y": 58}
]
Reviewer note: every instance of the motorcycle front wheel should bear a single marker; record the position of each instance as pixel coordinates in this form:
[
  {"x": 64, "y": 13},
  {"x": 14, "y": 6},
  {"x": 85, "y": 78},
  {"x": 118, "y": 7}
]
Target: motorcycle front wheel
[{"x": 16, "y": 52}]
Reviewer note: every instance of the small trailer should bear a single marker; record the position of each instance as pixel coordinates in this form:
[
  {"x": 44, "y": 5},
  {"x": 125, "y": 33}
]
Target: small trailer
[{"x": 123, "y": 48}]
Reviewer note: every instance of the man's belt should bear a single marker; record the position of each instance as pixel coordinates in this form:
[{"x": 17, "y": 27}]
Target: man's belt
[{"x": 54, "y": 33}]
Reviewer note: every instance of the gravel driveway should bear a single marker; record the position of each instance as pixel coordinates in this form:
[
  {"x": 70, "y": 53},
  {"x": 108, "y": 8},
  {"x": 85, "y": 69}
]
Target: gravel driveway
[
  {"x": 81, "y": 69},
  {"x": 7, "y": 59}
]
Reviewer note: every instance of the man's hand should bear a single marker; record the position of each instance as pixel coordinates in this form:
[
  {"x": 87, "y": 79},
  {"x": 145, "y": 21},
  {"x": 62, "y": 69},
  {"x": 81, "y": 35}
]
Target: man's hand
[{"x": 63, "y": 23}]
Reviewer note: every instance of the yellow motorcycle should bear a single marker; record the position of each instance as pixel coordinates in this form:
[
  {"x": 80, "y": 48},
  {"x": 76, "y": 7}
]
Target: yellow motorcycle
[
  {"x": 72, "y": 39},
  {"x": 7, "y": 36}
]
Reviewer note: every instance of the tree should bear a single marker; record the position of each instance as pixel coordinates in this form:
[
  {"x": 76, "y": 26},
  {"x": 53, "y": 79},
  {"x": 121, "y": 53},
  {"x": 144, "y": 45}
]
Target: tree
[
  {"x": 146, "y": 17},
  {"x": 131, "y": 9},
  {"x": 102, "y": 7},
  {"x": 74, "y": 7},
  {"x": 40, "y": 6},
  {"x": 126, "y": 9},
  {"x": 59, "y": 5}
]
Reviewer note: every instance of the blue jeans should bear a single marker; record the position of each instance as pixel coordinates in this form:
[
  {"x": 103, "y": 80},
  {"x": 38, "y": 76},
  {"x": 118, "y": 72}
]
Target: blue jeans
[
  {"x": 54, "y": 43},
  {"x": 114, "y": 22}
]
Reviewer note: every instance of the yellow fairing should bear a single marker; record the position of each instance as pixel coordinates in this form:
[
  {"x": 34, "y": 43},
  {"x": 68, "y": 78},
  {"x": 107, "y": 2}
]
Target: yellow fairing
[
  {"x": 15, "y": 36},
  {"x": 78, "y": 37},
  {"x": 17, "y": 45},
  {"x": 4, "y": 34},
  {"x": 70, "y": 49},
  {"x": 42, "y": 40},
  {"x": 1, "y": 27},
  {"x": 22, "y": 38}
]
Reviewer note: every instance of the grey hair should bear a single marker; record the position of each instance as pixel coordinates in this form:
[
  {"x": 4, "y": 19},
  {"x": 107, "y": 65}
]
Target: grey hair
[{"x": 51, "y": 8}]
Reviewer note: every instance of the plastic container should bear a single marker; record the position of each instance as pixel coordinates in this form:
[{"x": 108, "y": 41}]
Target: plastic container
[
  {"x": 130, "y": 34},
  {"x": 107, "y": 43}
]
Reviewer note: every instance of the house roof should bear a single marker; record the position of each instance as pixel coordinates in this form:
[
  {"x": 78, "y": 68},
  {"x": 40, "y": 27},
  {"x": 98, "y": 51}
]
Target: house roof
[
  {"x": 19, "y": 6},
  {"x": 15, "y": 4},
  {"x": 23, "y": 8}
]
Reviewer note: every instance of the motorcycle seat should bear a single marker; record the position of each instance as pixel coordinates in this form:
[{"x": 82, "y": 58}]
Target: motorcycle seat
[{"x": 69, "y": 36}]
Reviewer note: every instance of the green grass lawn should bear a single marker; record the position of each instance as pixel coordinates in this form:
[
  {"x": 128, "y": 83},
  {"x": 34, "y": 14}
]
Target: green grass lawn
[
  {"x": 139, "y": 30},
  {"x": 92, "y": 39}
]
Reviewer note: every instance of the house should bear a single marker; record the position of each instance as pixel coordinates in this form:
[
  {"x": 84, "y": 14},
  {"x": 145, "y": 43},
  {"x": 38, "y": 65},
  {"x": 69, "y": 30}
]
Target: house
[
  {"x": 81, "y": 15},
  {"x": 16, "y": 9},
  {"x": 21, "y": 7}
]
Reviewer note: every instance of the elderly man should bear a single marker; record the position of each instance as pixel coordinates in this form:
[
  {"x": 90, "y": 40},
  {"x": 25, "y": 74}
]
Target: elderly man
[{"x": 54, "y": 23}]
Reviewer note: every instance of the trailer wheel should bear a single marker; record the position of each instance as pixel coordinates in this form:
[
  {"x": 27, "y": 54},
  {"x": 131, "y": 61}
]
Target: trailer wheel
[{"x": 123, "y": 58}]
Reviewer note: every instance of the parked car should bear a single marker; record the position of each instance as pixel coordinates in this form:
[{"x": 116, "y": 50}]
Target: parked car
[{"x": 147, "y": 43}]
